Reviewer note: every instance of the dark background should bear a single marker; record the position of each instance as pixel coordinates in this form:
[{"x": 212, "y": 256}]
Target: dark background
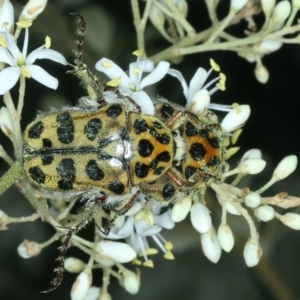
[{"x": 273, "y": 127}]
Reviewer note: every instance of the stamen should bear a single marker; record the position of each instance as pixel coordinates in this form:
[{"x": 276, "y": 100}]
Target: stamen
[
  {"x": 138, "y": 53},
  {"x": 236, "y": 107},
  {"x": 214, "y": 65},
  {"x": 47, "y": 42},
  {"x": 114, "y": 82},
  {"x": 106, "y": 64}
]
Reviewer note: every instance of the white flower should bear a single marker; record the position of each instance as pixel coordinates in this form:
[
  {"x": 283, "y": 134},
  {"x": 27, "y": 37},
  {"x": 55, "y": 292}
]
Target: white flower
[
  {"x": 134, "y": 84},
  {"x": 200, "y": 218},
  {"x": 115, "y": 251},
  {"x": 225, "y": 237},
  {"x": 290, "y": 219},
  {"x": 236, "y": 118},
  {"x": 32, "y": 9},
  {"x": 211, "y": 246},
  {"x": 28, "y": 249},
  {"x": 197, "y": 94},
  {"x": 136, "y": 232},
  {"x": 20, "y": 63},
  {"x": 6, "y": 16},
  {"x": 81, "y": 286},
  {"x": 252, "y": 253},
  {"x": 286, "y": 167},
  {"x": 131, "y": 282}
]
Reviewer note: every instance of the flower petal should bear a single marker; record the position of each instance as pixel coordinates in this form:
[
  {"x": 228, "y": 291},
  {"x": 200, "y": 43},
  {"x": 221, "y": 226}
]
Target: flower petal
[
  {"x": 41, "y": 53},
  {"x": 196, "y": 83},
  {"x": 6, "y": 57},
  {"x": 40, "y": 75},
  {"x": 144, "y": 101},
  {"x": 156, "y": 75},
  {"x": 11, "y": 45},
  {"x": 236, "y": 118},
  {"x": 112, "y": 70},
  {"x": 143, "y": 66},
  {"x": 179, "y": 76},
  {"x": 8, "y": 78},
  {"x": 164, "y": 220}
]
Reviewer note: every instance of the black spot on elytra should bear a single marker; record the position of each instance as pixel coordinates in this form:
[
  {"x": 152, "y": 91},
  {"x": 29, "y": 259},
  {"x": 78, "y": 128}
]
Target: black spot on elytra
[
  {"x": 36, "y": 130},
  {"x": 47, "y": 143},
  {"x": 167, "y": 111},
  {"x": 204, "y": 133},
  {"x": 163, "y": 156},
  {"x": 65, "y": 132},
  {"x": 141, "y": 170},
  {"x": 37, "y": 174},
  {"x": 114, "y": 111},
  {"x": 93, "y": 171},
  {"x": 157, "y": 125},
  {"x": 140, "y": 126},
  {"x": 92, "y": 128},
  {"x": 116, "y": 187},
  {"x": 159, "y": 170},
  {"x": 190, "y": 129},
  {"x": 168, "y": 191},
  {"x": 162, "y": 138},
  {"x": 197, "y": 151},
  {"x": 190, "y": 171},
  {"x": 46, "y": 155},
  {"x": 145, "y": 148},
  {"x": 214, "y": 162},
  {"x": 214, "y": 142},
  {"x": 66, "y": 169}
]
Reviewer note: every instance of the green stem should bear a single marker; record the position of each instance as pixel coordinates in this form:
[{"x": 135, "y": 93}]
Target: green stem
[{"x": 9, "y": 178}]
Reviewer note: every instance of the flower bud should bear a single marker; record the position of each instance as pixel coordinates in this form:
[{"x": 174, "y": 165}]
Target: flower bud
[
  {"x": 28, "y": 249},
  {"x": 261, "y": 73},
  {"x": 93, "y": 293},
  {"x": 236, "y": 118},
  {"x": 225, "y": 237},
  {"x": 252, "y": 200},
  {"x": 6, "y": 123},
  {"x": 131, "y": 282},
  {"x": 285, "y": 167},
  {"x": 268, "y": 7},
  {"x": 252, "y": 253},
  {"x": 200, "y": 102},
  {"x": 74, "y": 265},
  {"x": 252, "y": 166},
  {"x": 281, "y": 12},
  {"x": 32, "y": 9},
  {"x": 237, "y": 5},
  {"x": 157, "y": 17},
  {"x": 6, "y": 16},
  {"x": 115, "y": 251},
  {"x": 267, "y": 46},
  {"x": 265, "y": 213},
  {"x": 182, "y": 7},
  {"x": 210, "y": 245},
  {"x": 253, "y": 153},
  {"x": 200, "y": 218},
  {"x": 81, "y": 286},
  {"x": 291, "y": 220},
  {"x": 296, "y": 3},
  {"x": 181, "y": 209},
  {"x": 229, "y": 207}
]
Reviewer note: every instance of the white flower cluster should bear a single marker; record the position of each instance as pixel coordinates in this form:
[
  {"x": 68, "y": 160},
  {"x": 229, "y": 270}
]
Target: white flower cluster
[{"x": 145, "y": 220}]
